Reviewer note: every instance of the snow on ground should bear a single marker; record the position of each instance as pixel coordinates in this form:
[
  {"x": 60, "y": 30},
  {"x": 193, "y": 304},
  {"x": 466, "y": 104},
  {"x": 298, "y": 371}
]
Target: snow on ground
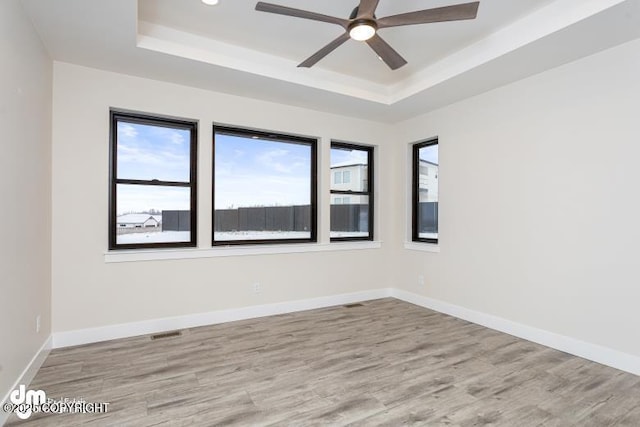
[
  {"x": 428, "y": 235},
  {"x": 185, "y": 236},
  {"x": 154, "y": 237},
  {"x": 260, "y": 235},
  {"x": 349, "y": 234}
]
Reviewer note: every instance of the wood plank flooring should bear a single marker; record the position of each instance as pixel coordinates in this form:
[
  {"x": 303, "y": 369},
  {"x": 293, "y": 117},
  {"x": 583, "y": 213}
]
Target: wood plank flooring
[{"x": 383, "y": 363}]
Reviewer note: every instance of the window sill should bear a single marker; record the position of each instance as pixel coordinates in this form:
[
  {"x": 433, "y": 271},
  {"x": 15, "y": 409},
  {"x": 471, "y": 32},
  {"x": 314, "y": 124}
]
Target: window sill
[
  {"x": 422, "y": 247},
  {"x": 225, "y": 251}
]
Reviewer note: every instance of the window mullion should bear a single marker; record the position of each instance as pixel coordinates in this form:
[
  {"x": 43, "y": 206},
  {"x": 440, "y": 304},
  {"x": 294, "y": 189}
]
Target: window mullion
[
  {"x": 153, "y": 182},
  {"x": 348, "y": 192}
]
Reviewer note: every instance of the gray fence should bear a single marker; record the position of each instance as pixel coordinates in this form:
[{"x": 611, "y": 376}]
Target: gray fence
[
  {"x": 176, "y": 221},
  {"x": 428, "y": 219},
  {"x": 293, "y": 218},
  {"x": 349, "y": 217},
  {"x": 273, "y": 218}
]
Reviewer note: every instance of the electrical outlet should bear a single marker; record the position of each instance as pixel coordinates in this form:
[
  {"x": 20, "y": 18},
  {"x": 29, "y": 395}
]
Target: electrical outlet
[
  {"x": 256, "y": 288},
  {"x": 421, "y": 280},
  {"x": 37, "y": 323}
]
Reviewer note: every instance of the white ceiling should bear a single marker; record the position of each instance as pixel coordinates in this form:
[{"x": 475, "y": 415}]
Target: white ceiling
[
  {"x": 296, "y": 39},
  {"x": 233, "y": 48}
]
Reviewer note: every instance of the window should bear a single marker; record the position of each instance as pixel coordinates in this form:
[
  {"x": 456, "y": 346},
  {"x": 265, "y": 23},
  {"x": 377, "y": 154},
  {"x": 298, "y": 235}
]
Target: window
[
  {"x": 264, "y": 187},
  {"x": 352, "y": 195},
  {"x": 153, "y": 182},
  {"x": 425, "y": 192},
  {"x": 342, "y": 177}
]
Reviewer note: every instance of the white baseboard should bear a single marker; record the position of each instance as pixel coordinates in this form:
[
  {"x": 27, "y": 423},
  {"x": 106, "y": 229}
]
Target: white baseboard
[
  {"x": 105, "y": 333},
  {"x": 606, "y": 356},
  {"x": 596, "y": 353},
  {"x": 28, "y": 374}
]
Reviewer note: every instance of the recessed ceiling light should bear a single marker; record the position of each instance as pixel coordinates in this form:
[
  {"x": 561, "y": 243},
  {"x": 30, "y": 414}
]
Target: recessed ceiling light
[{"x": 210, "y": 2}]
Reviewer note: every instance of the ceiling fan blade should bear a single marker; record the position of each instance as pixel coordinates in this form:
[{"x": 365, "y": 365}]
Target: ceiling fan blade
[
  {"x": 386, "y": 52},
  {"x": 313, "y": 59},
  {"x": 456, "y": 12},
  {"x": 289, "y": 11},
  {"x": 367, "y": 8}
]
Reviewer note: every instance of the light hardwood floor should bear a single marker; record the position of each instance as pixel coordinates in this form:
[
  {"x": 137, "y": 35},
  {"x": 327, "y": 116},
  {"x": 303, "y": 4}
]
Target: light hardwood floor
[{"x": 385, "y": 362}]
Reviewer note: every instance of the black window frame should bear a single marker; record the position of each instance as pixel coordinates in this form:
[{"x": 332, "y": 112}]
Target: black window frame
[
  {"x": 370, "y": 190},
  {"x": 415, "y": 198},
  {"x": 275, "y": 137},
  {"x": 117, "y": 116}
]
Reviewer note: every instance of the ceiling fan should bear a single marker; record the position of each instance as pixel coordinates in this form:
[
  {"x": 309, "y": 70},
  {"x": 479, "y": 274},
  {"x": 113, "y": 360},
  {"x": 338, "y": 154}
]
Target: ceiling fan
[{"x": 363, "y": 25}]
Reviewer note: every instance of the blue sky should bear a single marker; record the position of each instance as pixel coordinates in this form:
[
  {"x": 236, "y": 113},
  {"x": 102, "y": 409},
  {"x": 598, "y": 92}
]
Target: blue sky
[
  {"x": 152, "y": 152},
  {"x": 429, "y": 153},
  {"x": 248, "y": 172},
  {"x": 254, "y": 172},
  {"x": 143, "y": 198},
  {"x": 340, "y": 156}
]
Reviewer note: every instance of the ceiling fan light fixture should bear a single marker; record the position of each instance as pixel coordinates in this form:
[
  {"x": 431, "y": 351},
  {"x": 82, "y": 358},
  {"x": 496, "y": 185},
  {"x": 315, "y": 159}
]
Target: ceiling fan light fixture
[
  {"x": 362, "y": 30},
  {"x": 362, "y": 25},
  {"x": 210, "y": 2}
]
